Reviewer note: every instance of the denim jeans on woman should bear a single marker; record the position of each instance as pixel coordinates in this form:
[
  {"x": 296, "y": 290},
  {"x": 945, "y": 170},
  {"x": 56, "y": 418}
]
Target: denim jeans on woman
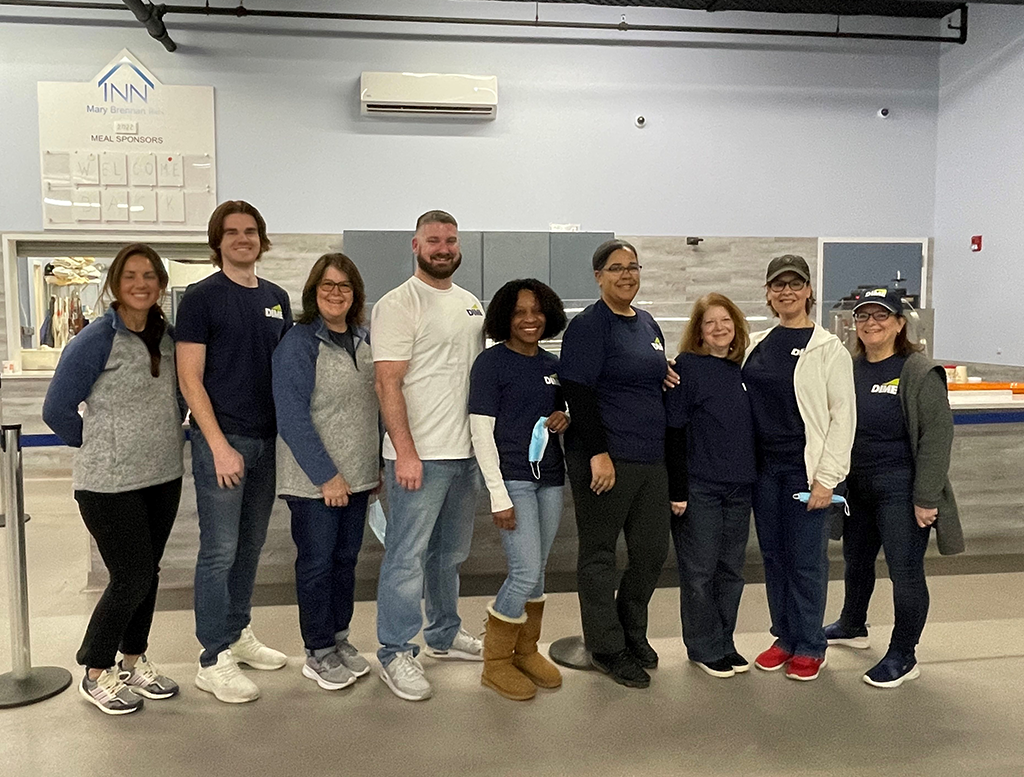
[
  {"x": 429, "y": 532},
  {"x": 794, "y": 547},
  {"x": 882, "y": 516},
  {"x": 328, "y": 540},
  {"x": 711, "y": 548},
  {"x": 232, "y": 529},
  {"x": 538, "y": 513}
]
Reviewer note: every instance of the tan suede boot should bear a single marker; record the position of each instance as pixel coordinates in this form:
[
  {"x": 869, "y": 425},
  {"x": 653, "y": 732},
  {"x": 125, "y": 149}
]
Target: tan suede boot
[
  {"x": 499, "y": 642},
  {"x": 527, "y": 658}
]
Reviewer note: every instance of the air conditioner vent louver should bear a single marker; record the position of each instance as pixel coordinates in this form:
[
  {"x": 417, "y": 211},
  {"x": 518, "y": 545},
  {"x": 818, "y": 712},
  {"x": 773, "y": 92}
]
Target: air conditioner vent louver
[{"x": 428, "y": 94}]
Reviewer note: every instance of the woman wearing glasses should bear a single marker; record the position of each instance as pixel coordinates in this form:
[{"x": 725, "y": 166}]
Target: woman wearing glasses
[
  {"x": 898, "y": 485},
  {"x": 613, "y": 367},
  {"x": 328, "y": 459},
  {"x": 800, "y": 381}
]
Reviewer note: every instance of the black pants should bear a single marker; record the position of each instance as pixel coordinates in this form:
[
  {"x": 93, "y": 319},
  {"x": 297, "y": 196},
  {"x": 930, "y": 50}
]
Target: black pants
[
  {"x": 882, "y": 516},
  {"x": 637, "y": 506},
  {"x": 131, "y": 530}
]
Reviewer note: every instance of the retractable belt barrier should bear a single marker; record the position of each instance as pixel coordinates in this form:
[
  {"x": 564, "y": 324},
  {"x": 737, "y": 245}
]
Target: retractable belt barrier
[{"x": 23, "y": 684}]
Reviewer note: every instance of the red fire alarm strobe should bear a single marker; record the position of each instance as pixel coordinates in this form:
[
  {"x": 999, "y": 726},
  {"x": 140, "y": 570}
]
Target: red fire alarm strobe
[{"x": 976, "y": 243}]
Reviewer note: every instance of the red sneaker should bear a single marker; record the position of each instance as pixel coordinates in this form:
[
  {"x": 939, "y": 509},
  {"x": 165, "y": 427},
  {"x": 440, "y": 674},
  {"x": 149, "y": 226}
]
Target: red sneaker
[
  {"x": 804, "y": 668},
  {"x": 773, "y": 658}
]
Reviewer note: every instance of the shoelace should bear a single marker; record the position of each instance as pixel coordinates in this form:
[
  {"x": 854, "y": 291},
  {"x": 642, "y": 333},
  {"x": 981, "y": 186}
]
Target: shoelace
[
  {"x": 110, "y": 684},
  {"x": 409, "y": 667}
]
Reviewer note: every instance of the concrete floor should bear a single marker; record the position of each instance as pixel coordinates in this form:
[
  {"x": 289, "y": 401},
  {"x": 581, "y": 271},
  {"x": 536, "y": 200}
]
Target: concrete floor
[{"x": 962, "y": 716}]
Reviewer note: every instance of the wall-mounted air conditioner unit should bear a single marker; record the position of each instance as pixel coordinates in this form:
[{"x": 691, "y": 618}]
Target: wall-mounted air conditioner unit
[{"x": 428, "y": 94}]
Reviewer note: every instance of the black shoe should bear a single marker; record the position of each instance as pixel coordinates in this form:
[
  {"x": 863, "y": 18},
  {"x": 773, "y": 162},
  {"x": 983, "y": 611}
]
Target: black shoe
[
  {"x": 739, "y": 663},
  {"x": 643, "y": 654},
  {"x": 720, "y": 667},
  {"x": 622, "y": 668}
]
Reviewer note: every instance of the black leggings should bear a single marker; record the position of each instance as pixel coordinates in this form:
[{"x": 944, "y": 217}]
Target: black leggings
[{"x": 131, "y": 529}]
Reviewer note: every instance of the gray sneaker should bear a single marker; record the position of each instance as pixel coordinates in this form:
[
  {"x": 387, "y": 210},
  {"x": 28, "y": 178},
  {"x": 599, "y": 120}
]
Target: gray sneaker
[
  {"x": 329, "y": 672},
  {"x": 404, "y": 676},
  {"x": 109, "y": 693},
  {"x": 145, "y": 680},
  {"x": 350, "y": 657}
]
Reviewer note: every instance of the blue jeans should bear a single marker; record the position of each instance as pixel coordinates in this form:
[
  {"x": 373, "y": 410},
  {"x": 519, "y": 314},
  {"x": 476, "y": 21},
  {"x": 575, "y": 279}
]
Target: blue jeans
[
  {"x": 328, "y": 540},
  {"x": 429, "y": 532},
  {"x": 794, "y": 546},
  {"x": 232, "y": 529},
  {"x": 538, "y": 513},
  {"x": 882, "y": 516},
  {"x": 711, "y": 544}
]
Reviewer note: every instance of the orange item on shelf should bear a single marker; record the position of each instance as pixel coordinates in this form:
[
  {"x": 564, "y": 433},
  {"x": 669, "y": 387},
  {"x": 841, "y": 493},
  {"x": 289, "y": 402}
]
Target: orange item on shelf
[{"x": 1016, "y": 388}]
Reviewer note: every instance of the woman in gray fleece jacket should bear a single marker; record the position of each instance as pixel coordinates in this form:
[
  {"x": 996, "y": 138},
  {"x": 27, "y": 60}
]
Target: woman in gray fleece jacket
[
  {"x": 898, "y": 485},
  {"x": 127, "y": 471}
]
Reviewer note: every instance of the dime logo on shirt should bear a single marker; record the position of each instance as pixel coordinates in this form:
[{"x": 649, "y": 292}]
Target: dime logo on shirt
[
  {"x": 892, "y": 387},
  {"x": 552, "y": 380},
  {"x": 656, "y": 345},
  {"x": 797, "y": 352},
  {"x": 274, "y": 312},
  {"x": 474, "y": 311}
]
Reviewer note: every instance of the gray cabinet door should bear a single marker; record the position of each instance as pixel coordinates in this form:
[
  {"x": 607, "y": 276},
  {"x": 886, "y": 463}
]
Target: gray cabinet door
[
  {"x": 571, "y": 254},
  {"x": 512, "y": 255}
]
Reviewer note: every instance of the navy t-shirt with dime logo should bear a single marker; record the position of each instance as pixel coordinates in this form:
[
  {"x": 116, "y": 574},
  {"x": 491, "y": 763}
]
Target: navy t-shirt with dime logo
[
  {"x": 240, "y": 327},
  {"x": 515, "y": 390},
  {"x": 882, "y": 441},
  {"x": 623, "y": 359},
  {"x": 768, "y": 375}
]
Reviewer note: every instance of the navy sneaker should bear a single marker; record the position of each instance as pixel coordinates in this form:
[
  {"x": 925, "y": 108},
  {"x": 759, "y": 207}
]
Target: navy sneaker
[
  {"x": 838, "y": 634},
  {"x": 892, "y": 671}
]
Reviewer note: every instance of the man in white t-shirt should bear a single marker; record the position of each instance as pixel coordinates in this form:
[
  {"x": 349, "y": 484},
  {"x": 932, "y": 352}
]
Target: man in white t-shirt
[{"x": 425, "y": 336}]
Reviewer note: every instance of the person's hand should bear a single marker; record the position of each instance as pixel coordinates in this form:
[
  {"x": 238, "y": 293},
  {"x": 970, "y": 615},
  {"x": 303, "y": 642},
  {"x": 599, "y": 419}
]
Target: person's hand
[
  {"x": 557, "y": 422},
  {"x": 229, "y": 465},
  {"x": 821, "y": 497},
  {"x": 505, "y": 519},
  {"x": 336, "y": 492},
  {"x": 602, "y": 473},
  {"x": 375, "y": 491},
  {"x": 671, "y": 376},
  {"x": 678, "y": 508},
  {"x": 926, "y": 516},
  {"x": 409, "y": 472}
]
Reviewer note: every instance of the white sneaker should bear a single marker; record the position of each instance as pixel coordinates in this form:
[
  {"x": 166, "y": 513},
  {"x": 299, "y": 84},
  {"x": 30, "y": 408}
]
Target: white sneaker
[
  {"x": 404, "y": 676},
  {"x": 249, "y": 650},
  {"x": 464, "y": 647},
  {"x": 226, "y": 681}
]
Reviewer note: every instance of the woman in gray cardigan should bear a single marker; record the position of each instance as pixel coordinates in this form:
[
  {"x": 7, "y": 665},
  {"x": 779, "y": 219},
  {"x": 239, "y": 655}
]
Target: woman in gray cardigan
[
  {"x": 328, "y": 459},
  {"x": 898, "y": 484},
  {"x": 127, "y": 471}
]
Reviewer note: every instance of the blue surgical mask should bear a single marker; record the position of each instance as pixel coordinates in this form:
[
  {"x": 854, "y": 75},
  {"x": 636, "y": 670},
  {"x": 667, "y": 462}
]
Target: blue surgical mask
[
  {"x": 804, "y": 496},
  {"x": 538, "y": 444}
]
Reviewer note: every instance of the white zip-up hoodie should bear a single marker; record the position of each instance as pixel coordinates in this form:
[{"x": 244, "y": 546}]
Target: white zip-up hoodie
[{"x": 823, "y": 382}]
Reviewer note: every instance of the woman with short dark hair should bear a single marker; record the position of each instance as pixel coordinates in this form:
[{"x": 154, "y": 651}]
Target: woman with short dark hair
[
  {"x": 127, "y": 473},
  {"x": 898, "y": 486},
  {"x": 516, "y": 412},
  {"x": 328, "y": 459}
]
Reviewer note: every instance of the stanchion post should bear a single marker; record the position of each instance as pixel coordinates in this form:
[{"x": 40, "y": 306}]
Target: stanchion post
[{"x": 23, "y": 684}]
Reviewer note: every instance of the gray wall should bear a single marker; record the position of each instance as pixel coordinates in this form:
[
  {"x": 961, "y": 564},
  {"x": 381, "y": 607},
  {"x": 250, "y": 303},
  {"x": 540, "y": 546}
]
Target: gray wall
[{"x": 980, "y": 191}]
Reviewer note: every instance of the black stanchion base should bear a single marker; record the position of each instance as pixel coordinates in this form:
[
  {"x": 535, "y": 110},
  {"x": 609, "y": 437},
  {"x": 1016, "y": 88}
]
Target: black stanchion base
[
  {"x": 42, "y": 683},
  {"x": 570, "y": 652}
]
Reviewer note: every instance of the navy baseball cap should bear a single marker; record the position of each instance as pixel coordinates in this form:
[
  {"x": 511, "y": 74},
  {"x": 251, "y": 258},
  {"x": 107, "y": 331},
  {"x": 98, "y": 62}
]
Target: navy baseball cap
[
  {"x": 787, "y": 263},
  {"x": 889, "y": 299}
]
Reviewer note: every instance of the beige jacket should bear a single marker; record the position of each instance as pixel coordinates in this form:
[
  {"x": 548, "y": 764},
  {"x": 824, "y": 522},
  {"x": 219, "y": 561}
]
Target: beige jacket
[{"x": 823, "y": 382}]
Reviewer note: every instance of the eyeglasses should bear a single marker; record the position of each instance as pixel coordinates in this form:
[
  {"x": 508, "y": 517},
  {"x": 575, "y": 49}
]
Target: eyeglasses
[
  {"x": 329, "y": 286},
  {"x": 878, "y": 315},
  {"x": 622, "y": 269},
  {"x": 797, "y": 284}
]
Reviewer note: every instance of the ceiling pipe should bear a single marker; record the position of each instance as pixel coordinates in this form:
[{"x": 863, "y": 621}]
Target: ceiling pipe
[
  {"x": 152, "y": 18},
  {"x": 241, "y": 11}
]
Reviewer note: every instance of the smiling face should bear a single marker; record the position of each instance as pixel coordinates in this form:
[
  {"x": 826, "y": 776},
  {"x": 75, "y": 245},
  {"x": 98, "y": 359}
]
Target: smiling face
[
  {"x": 240, "y": 243},
  {"x": 619, "y": 283},
  {"x": 139, "y": 288},
  {"x": 788, "y": 302},
  {"x": 528, "y": 321},
  {"x": 717, "y": 330},
  {"x": 437, "y": 251},
  {"x": 334, "y": 297},
  {"x": 879, "y": 335}
]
